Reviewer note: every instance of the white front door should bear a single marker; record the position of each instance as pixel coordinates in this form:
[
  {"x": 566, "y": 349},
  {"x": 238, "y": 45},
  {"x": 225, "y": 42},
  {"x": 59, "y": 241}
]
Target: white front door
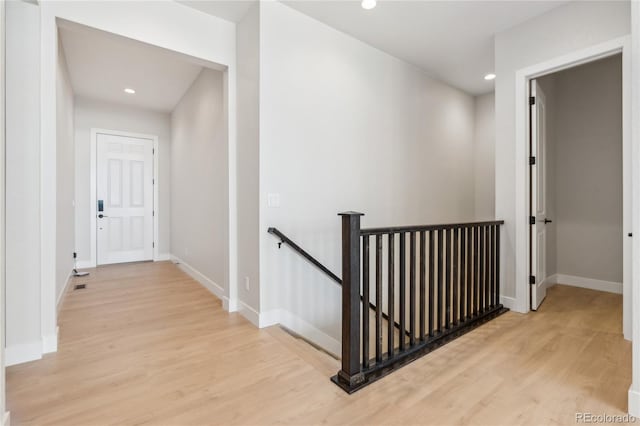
[
  {"x": 538, "y": 196},
  {"x": 124, "y": 202}
]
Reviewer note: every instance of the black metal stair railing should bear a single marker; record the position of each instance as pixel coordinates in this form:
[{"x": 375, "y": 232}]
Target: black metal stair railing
[
  {"x": 286, "y": 240},
  {"x": 436, "y": 281},
  {"x": 433, "y": 283}
]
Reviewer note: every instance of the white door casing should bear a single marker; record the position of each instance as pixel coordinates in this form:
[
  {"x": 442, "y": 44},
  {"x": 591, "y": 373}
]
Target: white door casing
[
  {"x": 124, "y": 199},
  {"x": 538, "y": 196}
]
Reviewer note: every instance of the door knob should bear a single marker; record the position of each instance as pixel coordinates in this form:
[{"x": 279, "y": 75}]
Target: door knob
[
  {"x": 547, "y": 221},
  {"x": 101, "y": 216}
]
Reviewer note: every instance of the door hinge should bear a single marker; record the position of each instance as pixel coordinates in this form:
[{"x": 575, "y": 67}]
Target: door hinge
[
  {"x": 153, "y": 151},
  {"x": 153, "y": 181},
  {"x": 532, "y": 100},
  {"x": 532, "y": 161},
  {"x": 532, "y": 279},
  {"x": 153, "y": 213},
  {"x": 532, "y": 220},
  {"x": 153, "y": 245}
]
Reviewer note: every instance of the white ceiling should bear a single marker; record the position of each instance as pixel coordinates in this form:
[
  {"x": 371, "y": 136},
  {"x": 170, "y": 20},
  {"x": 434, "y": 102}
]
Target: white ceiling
[
  {"x": 450, "y": 40},
  {"x": 101, "y": 65},
  {"x": 231, "y": 10}
]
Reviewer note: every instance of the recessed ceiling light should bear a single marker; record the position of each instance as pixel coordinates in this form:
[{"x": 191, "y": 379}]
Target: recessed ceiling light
[
  {"x": 129, "y": 91},
  {"x": 490, "y": 76},
  {"x": 368, "y": 4}
]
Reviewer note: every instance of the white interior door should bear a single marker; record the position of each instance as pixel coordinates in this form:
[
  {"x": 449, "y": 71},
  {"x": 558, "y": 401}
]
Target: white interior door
[
  {"x": 538, "y": 196},
  {"x": 124, "y": 202}
]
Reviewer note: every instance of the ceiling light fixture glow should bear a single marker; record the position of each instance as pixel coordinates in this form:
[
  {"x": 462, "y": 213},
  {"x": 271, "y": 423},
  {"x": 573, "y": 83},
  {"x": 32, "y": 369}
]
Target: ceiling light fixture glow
[
  {"x": 490, "y": 76},
  {"x": 368, "y": 4},
  {"x": 129, "y": 91}
]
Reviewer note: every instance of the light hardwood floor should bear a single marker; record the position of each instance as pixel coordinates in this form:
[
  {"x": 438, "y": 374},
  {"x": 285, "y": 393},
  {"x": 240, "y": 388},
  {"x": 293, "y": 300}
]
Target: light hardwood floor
[{"x": 145, "y": 344}]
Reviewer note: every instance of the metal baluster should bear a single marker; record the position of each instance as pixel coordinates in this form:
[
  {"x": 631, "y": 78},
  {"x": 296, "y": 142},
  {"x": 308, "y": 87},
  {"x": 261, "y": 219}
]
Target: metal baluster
[
  {"x": 412, "y": 289},
  {"x": 432, "y": 283},
  {"x": 475, "y": 271},
  {"x": 447, "y": 272},
  {"x": 423, "y": 286},
  {"x": 403, "y": 296},
  {"x": 497, "y": 292},
  {"x": 482, "y": 268},
  {"x": 440, "y": 280},
  {"x": 463, "y": 271},
  {"x": 469, "y": 277},
  {"x": 378, "y": 298},
  {"x": 391, "y": 295},
  {"x": 456, "y": 280},
  {"x": 365, "y": 301}
]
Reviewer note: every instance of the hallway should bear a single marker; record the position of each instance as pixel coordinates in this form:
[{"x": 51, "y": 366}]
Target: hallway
[{"x": 146, "y": 344}]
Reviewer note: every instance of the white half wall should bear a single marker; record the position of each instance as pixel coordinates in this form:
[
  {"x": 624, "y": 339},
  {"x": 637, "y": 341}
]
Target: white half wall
[
  {"x": 199, "y": 179},
  {"x": 92, "y": 114},
  {"x": 65, "y": 164},
  {"x": 344, "y": 126},
  {"x": 563, "y": 30},
  {"x": 23, "y": 326}
]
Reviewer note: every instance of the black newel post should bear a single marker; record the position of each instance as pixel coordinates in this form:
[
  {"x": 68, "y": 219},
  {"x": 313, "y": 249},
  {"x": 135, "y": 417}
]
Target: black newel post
[{"x": 350, "y": 376}]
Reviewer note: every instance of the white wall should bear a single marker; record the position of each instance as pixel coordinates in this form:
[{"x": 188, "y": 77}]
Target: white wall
[
  {"x": 23, "y": 338},
  {"x": 199, "y": 179},
  {"x": 102, "y": 115},
  {"x": 345, "y": 126},
  {"x": 65, "y": 190},
  {"x": 248, "y": 44},
  {"x": 573, "y": 26},
  {"x": 588, "y": 170},
  {"x": 484, "y": 156}
]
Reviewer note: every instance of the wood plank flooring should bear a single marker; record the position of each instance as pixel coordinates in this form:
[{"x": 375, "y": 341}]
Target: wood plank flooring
[{"x": 145, "y": 344}]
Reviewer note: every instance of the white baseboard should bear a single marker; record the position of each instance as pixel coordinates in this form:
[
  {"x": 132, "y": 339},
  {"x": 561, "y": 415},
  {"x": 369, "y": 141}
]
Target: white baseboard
[
  {"x": 272, "y": 317},
  {"x": 573, "y": 281},
  {"x": 508, "y": 302},
  {"x": 634, "y": 403},
  {"x": 230, "y": 305},
  {"x": 214, "y": 288},
  {"x": 310, "y": 332},
  {"x": 162, "y": 257},
  {"x": 264, "y": 319},
  {"x": 63, "y": 293},
  {"x": 32, "y": 351},
  {"x": 85, "y": 264},
  {"x": 295, "y": 324},
  {"x": 6, "y": 419},
  {"x": 50, "y": 342},
  {"x": 23, "y": 352},
  {"x": 250, "y": 314}
]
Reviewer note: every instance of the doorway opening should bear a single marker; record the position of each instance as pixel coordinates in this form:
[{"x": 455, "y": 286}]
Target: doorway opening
[{"x": 579, "y": 181}]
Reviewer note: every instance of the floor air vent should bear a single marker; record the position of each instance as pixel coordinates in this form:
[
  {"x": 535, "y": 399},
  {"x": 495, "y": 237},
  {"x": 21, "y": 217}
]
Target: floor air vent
[{"x": 80, "y": 287}]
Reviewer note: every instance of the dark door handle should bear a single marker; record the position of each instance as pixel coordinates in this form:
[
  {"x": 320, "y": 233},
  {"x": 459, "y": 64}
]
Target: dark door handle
[
  {"x": 101, "y": 216},
  {"x": 630, "y": 234},
  {"x": 547, "y": 221}
]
